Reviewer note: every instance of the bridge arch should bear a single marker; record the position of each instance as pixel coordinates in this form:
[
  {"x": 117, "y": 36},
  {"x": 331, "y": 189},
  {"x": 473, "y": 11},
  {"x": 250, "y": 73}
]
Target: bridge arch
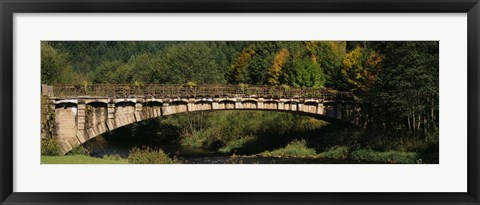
[
  {"x": 96, "y": 113},
  {"x": 310, "y": 107},
  {"x": 202, "y": 105},
  {"x": 270, "y": 104},
  {"x": 177, "y": 106},
  {"x": 80, "y": 118},
  {"x": 153, "y": 103},
  {"x": 65, "y": 105},
  {"x": 249, "y": 104},
  {"x": 98, "y": 118},
  {"x": 152, "y": 109},
  {"x": 226, "y": 104},
  {"x": 95, "y": 118},
  {"x": 291, "y": 105}
]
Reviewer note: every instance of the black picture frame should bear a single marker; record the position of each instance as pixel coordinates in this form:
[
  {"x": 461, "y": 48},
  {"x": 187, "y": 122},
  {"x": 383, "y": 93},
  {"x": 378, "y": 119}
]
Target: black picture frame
[{"x": 9, "y": 7}]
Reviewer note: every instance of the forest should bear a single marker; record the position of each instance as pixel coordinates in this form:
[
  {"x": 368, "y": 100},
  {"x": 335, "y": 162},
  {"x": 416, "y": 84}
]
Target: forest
[{"x": 396, "y": 81}]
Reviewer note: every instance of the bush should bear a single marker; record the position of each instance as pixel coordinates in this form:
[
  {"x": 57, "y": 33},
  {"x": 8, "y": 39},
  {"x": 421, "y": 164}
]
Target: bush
[
  {"x": 236, "y": 143},
  {"x": 147, "y": 155},
  {"x": 116, "y": 157},
  {"x": 195, "y": 139},
  {"x": 79, "y": 150},
  {"x": 393, "y": 157},
  {"x": 190, "y": 84},
  {"x": 294, "y": 149},
  {"x": 336, "y": 152},
  {"x": 50, "y": 147}
]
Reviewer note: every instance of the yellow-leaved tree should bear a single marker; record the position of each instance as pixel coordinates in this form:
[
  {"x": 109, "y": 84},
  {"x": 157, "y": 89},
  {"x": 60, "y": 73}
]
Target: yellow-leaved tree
[
  {"x": 276, "y": 69},
  {"x": 234, "y": 74},
  {"x": 360, "y": 67}
]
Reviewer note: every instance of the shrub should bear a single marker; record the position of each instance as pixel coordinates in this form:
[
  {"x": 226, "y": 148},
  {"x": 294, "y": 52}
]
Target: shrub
[
  {"x": 336, "y": 152},
  {"x": 50, "y": 147},
  {"x": 236, "y": 143},
  {"x": 79, "y": 150},
  {"x": 195, "y": 139},
  {"x": 296, "y": 148},
  {"x": 116, "y": 157},
  {"x": 147, "y": 155},
  {"x": 393, "y": 157},
  {"x": 190, "y": 84}
]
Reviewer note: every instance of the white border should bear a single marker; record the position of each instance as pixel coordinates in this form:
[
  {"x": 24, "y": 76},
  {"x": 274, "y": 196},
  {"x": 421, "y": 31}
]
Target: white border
[{"x": 448, "y": 176}]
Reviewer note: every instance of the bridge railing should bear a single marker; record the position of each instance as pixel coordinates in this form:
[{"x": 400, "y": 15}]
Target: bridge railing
[{"x": 160, "y": 91}]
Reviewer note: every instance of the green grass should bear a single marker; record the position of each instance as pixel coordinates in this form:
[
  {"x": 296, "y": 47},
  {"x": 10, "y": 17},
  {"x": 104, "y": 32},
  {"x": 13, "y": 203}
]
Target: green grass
[
  {"x": 236, "y": 143},
  {"x": 297, "y": 148},
  {"x": 147, "y": 155},
  {"x": 78, "y": 159},
  {"x": 393, "y": 157},
  {"x": 336, "y": 152}
]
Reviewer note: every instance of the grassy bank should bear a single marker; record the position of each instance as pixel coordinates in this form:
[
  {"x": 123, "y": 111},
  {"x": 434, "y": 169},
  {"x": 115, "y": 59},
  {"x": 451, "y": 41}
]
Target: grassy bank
[
  {"x": 78, "y": 159},
  {"x": 143, "y": 155},
  {"x": 299, "y": 149},
  {"x": 294, "y": 149}
]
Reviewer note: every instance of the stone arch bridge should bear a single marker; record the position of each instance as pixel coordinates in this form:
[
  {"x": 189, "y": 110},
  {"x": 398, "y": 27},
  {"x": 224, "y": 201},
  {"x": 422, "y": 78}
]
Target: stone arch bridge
[{"x": 84, "y": 112}]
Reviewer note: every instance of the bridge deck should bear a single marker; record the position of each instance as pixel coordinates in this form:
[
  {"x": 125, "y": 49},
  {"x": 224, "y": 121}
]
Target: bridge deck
[{"x": 170, "y": 91}]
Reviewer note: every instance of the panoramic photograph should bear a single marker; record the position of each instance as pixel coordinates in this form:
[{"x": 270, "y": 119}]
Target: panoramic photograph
[{"x": 239, "y": 102}]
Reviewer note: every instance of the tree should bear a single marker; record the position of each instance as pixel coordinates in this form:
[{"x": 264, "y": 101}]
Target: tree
[
  {"x": 189, "y": 62},
  {"x": 144, "y": 68},
  {"x": 330, "y": 55},
  {"x": 257, "y": 70},
  {"x": 236, "y": 70},
  {"x": 360, "y": 68},
  {"x": 56, "y": 68},
  {"x": 88, "y": 55},
  {"x": 408, "y": 86},
  {"x": 107, "y": 72},
  {"x": 276, "y": 69},
  {"x": 305, "y": 73}
]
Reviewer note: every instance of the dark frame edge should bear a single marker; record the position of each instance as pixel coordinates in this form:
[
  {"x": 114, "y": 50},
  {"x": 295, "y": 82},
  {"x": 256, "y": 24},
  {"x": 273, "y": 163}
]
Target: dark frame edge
[
  {"x": 7, "y": 196},
  {"x": 241, "y": 198},
  {"x": 241, "y": 6},
  {"x": 6, "y": 103},
  {"x": 473, "y": 21}
]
